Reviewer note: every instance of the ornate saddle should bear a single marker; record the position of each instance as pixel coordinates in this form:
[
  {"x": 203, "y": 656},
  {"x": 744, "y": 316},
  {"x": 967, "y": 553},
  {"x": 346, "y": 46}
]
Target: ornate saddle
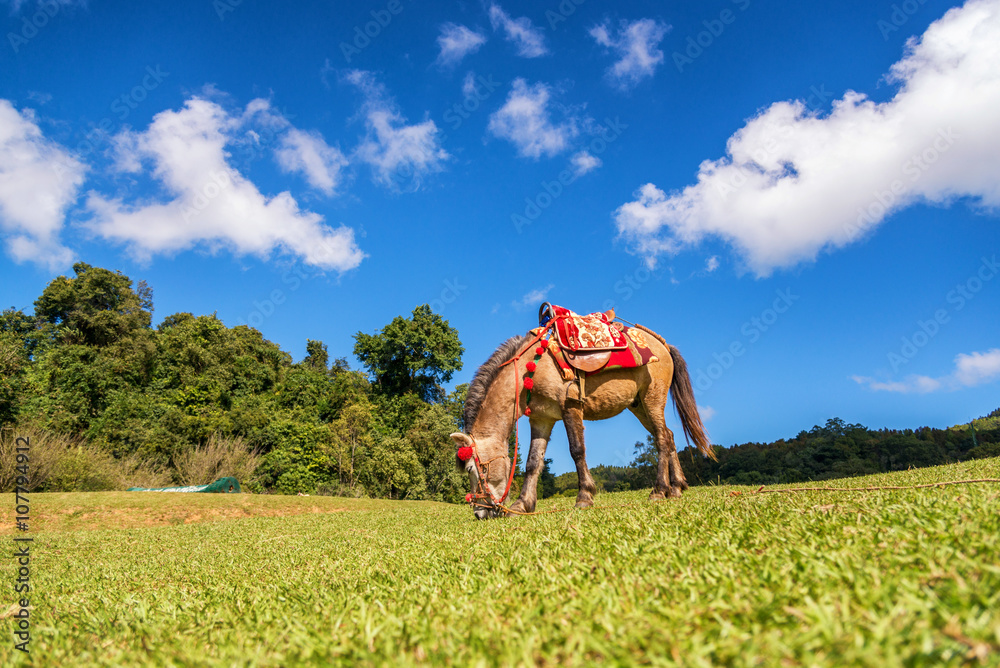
[{"x": 594, "y": 342}]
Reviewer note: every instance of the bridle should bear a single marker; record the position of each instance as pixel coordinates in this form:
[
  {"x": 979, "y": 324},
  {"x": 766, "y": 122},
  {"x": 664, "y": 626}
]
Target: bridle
[{"x": 484, "y": 497}]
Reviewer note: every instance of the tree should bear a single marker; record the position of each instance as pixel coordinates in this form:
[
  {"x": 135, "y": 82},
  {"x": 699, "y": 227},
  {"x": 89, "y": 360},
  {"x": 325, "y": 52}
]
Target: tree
[
  {"x": 411, "y": 355},
  {"x": 391, "y": 469},
  {"x": 316, "y": 356},
  {"x": 547, "y": 481},
  {"x": 352, "y": 437},
  {"x": 97, "y": 307},
  {"x": 429, "y": 438},
  {"x": 644, "y": 464}
]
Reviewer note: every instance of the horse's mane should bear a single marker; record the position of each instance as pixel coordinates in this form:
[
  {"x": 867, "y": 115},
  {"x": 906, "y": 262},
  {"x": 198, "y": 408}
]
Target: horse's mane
[{"x": 485, "y": 376}]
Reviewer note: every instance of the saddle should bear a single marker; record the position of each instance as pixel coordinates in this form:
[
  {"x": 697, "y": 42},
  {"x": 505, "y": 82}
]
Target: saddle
[{"x": 593, "y": 342}]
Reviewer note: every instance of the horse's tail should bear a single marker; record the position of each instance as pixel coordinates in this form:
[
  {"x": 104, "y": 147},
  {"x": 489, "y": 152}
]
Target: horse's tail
[{"x": 683, "y": 395}]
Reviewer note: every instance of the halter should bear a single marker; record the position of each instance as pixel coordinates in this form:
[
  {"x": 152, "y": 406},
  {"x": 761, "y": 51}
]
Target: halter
[{"x": 483, "y": 491}]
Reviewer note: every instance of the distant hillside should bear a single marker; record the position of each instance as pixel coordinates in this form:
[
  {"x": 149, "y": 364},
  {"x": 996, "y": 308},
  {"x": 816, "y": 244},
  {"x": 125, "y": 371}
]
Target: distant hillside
[
  {"x": 835, "y": 450},
  {"x": 991, "y": 421}
]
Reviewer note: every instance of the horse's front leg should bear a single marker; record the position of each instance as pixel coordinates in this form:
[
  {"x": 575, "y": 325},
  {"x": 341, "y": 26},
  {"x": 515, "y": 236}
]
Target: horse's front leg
[
  {"x": 573, "y": 418},
  {"x": 540, "y": 432}
]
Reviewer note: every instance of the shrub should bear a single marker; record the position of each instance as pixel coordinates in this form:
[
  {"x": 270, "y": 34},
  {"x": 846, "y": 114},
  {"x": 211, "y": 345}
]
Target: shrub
[
  {"x": 222, "y": 456},
  {"x": 46, "y": 450}
]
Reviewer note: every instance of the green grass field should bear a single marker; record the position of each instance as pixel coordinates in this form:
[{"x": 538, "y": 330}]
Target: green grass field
[{"x": 880, "y": 578}]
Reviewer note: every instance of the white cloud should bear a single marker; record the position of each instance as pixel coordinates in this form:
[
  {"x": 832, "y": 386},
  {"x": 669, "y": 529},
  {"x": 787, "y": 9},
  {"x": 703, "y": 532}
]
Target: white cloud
[
  {"x": 398, "y": 153},
  {"x": 15, "y": 5},
  {"x": 211, "y": 204},
  {"x": 530, "y": 40},
  {"x": 636, "y": 46},
  {"x": 456, "y": 43},
  {"x": 584, "y": 162},
  {"x": 469, "y": 84},
  {"x": 970, "y": 370},
  {"x": 39, "y": 98},
  {"x": 977, "y": 368},
  {"x": 39, "y": 181},
  {"x": 308, "y": 153},
  {"x": 794, "y": 183},
  {"x": 533, "y": 298},
  {"x": 525, "y": 121},
  {"x": 706, "y": 413},
  {"x": 712, "y": 263}
]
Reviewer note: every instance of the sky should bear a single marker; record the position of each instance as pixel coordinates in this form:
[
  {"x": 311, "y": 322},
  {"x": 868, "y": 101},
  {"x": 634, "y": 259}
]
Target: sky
[{"x": 802, "y": 198}]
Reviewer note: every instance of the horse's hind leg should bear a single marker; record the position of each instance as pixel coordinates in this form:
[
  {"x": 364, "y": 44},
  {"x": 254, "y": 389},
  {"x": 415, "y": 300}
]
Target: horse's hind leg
[
  {"x": 573, "y": 419},
  {"x": 670, "y": 481}
]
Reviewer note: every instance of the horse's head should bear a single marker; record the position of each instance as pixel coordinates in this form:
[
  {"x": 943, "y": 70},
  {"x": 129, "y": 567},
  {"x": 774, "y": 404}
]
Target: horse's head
[{"x": 488, "y": 466}]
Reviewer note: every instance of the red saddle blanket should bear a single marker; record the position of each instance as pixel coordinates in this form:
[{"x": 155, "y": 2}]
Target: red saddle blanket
[
  {"x": 575, "y": 334},
  {"x": 587, "y": 333}
]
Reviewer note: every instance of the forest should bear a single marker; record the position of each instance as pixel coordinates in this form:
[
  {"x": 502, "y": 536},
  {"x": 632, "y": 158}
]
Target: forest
[{"x": 111, "y": 401}]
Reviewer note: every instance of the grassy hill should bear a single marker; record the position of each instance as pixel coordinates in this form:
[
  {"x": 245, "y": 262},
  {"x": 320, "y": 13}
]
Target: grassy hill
[{"x": 870, "y": 578}]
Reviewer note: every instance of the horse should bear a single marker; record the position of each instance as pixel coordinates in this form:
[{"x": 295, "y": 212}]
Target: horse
[{"x": 497, "y": 397}]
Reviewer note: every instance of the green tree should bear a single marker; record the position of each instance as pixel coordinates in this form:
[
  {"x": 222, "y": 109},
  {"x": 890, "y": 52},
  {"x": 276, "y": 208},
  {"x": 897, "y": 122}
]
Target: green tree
[
  {"x": 411, "y": 354},
  {"x": 352, "y": 436},
  {"x": 547, "y": 481},
  {"x": 97, "y": 306},
  {"x": 429, "y": 438},
  {"x": 316, "y": 356},
  {"x": 392, "y": 470}
]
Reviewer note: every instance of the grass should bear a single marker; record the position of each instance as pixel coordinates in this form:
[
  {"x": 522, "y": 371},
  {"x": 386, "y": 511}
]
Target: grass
[{"x": 881, "y": 578}]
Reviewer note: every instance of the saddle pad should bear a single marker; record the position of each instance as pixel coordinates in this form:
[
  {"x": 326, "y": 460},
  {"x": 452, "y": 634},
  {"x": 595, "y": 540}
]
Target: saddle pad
[
  {"x": 587, "y": 333},
  {"x": 636, "y": 354}
]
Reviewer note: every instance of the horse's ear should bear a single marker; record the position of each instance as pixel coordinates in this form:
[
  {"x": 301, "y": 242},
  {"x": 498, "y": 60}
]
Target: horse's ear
[{"x": 461, "y": 439}]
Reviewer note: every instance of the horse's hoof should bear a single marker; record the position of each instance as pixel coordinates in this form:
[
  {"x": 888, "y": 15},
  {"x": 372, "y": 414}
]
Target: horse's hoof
[
  {"x": 584, "y": 503},
  {"x": 656, "y": 496},
  {"x": 519, "y": 507},
  {"x": 674, "y": 492}
]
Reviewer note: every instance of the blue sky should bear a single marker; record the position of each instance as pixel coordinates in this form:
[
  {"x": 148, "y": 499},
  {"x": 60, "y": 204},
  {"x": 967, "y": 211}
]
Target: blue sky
[{"x": 802, "y": 198}]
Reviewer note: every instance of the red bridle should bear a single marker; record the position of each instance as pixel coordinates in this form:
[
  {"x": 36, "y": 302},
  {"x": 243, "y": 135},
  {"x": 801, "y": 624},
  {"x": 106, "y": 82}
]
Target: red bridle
[{"x": 483, "y": 491}]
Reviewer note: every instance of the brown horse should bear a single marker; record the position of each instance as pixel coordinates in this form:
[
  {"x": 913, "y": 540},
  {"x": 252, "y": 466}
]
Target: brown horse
[{"x": 490, "y": 416}]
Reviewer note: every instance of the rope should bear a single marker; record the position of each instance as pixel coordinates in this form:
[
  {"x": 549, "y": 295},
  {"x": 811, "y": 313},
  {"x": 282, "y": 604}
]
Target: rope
[
  {"x": 790, "y": 490},
  {"x": 564, "y": 510}
]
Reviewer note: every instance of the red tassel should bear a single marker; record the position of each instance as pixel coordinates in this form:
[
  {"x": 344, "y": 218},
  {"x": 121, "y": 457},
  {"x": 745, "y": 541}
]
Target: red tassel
[
  {"x": 530, "y": 366},
  {"x": 539, "y": 351},
  {"x": 465, "y": 453},
  {"x": 544, "y": 343},
  {"x": 468, "y": 498},
  {"x": 528, "y": 383},
  {"x": 527, "y": 411}
]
